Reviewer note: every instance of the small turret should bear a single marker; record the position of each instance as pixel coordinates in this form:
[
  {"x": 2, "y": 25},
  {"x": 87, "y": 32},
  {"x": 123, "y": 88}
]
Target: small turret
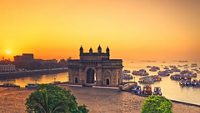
[
  {"x": 90, "y": 50},
  {"x": 81, "y": 50},
  {"x": 108, "y": 50},
  {"x": 99, "y": 49}
]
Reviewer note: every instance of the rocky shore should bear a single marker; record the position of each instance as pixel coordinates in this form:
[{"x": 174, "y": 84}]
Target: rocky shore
[{"x": 98, "y": 101}]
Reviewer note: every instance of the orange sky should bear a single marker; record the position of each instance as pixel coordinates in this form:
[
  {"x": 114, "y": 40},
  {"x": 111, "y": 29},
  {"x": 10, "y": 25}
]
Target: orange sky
[{"x": 133, "y": 29}]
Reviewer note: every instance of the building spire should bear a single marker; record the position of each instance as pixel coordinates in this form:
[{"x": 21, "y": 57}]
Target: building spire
[
  {"x": 90, "y": 50},
  {"x": 108, "y": 50},
  {"x": 99, "y": 49},
  {"x": 81, "y": 50}
]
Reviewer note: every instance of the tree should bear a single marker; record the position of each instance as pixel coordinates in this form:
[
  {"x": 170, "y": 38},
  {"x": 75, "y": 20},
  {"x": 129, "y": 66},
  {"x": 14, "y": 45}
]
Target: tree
[
  {"x": 157, "y": 104},
  {"x": 53, "y": 99}
]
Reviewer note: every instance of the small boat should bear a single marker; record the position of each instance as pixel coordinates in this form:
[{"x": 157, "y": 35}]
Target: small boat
[
  {"x": 31, "y": 86},
  {"x": 141, "y": 72},
  {"x": 149, "y": 79},
  {"x": 126, "y": 76},
  {"x": 195, "y": 83},
  {"x": 157, "y": 91},
  {"x": 175, "y": 70},
  {"x": 147, "y": 90},
  {"x": 163, "y": 73},
  {"x": 146, "y": 80},
  {"x": 126, "y": 71},
  {"x": 148, "y": 66},
  {"x": 194, "y": 65},
  {"x": 185, "y": 83},
  {"x": 176, "y": 77},
  {"x": 127, "y": 86},
  {"x": 137, "y": 90},
  {"x": 166, "y": 67},
  {"x": 154, "y": 68}
]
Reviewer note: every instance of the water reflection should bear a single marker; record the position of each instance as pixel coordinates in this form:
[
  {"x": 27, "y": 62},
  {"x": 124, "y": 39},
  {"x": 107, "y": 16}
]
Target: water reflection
[{"x": 63, "y": 77}]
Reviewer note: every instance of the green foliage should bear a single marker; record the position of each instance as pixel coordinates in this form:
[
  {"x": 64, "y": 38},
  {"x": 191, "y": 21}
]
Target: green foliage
[
  {"x": 157, "y": 104},
  {"x": 53, "y": 99}
]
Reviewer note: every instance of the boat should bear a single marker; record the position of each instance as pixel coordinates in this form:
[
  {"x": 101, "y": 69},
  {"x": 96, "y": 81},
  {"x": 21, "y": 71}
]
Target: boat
[
  {"x": 166, "y": 68},
  {"x": 185, "y": 83},
  {"x": 127, "y": 76},
  {"x": 195, "y": 69},
  {"x": 10, "y": 85},
  {"x": 31, "y": 86},
  {"x": 188, "y": 74},
  {"x": 126, "y": 71},
  {"x": 147, "y": 90},
  {"x": 127, "y": 86},
  {"x": 175, "y": 70},
  {"x": 154, "y": 68},
  {"x": 149, "y": 79},
  {"x": 163, "y": 73},
  {"x": 157, "y": 91},
  {"x": 194, "y": 65},
  {"x": 176, "y": 77},
  {"x": 148, "y": 66},
  {"x": 137, "y": 90},
  {"x": 141, "y": 72},
  {"x": 195, "y": 83},
  {"x": 146, "y": 80}
]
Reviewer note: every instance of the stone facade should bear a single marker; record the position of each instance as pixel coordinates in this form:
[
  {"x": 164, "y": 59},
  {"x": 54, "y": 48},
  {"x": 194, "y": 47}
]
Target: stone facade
[{"x": 95, "y": 68}]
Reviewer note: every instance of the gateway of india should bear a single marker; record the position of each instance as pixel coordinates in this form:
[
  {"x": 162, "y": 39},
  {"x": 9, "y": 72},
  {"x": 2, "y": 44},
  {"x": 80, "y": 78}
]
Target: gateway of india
[{"x": 95, "y": 68}]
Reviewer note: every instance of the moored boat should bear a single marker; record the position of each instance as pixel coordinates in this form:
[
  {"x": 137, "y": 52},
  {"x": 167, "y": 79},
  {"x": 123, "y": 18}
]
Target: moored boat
[
  {"x": 157, "y": 91},
  {"x": 141, "y": 72},
  {"x": 154, "y": 68}
]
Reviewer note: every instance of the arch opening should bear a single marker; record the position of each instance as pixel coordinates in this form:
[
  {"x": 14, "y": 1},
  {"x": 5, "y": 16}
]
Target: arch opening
[
  {"x": 107, "y": 81},
  {"x": 90, "y": 79},
  {"x": 76, "y": 80}
]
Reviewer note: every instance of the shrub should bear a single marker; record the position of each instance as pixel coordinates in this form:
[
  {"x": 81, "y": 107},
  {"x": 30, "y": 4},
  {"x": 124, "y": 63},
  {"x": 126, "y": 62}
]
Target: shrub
[{"x": 157, "y": 104}]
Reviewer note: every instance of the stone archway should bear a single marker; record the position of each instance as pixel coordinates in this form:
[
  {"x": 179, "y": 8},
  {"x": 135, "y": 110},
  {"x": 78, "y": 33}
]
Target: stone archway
[
  {"x": 75, "y": 80},
  {"x": 90, "y": 77},
  {"x": 107, "y": 78},
  {"x": 107, "y": 81}
]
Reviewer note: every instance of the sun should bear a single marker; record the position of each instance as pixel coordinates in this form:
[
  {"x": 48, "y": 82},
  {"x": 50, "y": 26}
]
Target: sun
[{"x": 8, "y": 52}]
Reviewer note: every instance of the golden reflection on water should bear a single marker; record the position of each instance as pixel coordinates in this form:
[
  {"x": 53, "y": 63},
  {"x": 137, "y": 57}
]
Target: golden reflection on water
[{"x": 41, "y": 79}]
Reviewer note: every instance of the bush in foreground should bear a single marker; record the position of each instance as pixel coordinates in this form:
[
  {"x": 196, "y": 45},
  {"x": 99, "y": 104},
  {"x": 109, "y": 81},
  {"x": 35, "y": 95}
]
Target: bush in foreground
[
  {"x": 53, "y": 99},
  {"x": 157, "y": 104}
]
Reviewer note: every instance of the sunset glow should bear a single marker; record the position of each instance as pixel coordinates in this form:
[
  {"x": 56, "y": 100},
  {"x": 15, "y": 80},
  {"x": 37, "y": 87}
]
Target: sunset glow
[
  {"x": 133, "y": 29},
  {"x": 8, "y": 52}
]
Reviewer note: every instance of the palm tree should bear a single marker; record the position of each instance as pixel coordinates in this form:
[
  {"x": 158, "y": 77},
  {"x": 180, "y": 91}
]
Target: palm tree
[
  {"x": 42, "y": 103},
  {"x": 53, "y": 99}
]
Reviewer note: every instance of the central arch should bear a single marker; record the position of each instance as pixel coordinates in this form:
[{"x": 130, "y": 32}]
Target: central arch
[{"x": 90, "y": 78}]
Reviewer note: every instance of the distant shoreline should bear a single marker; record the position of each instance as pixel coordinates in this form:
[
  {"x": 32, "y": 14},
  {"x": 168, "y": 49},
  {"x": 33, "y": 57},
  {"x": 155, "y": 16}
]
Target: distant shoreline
[{"x": 10, "y": 75}]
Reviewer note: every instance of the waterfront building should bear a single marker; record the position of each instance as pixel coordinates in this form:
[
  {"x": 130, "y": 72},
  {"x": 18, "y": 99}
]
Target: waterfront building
[
  {"x": 24, "y": 57},
  {"x": 95, "y": 68},
  {"x": 7, "y": 68}
]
